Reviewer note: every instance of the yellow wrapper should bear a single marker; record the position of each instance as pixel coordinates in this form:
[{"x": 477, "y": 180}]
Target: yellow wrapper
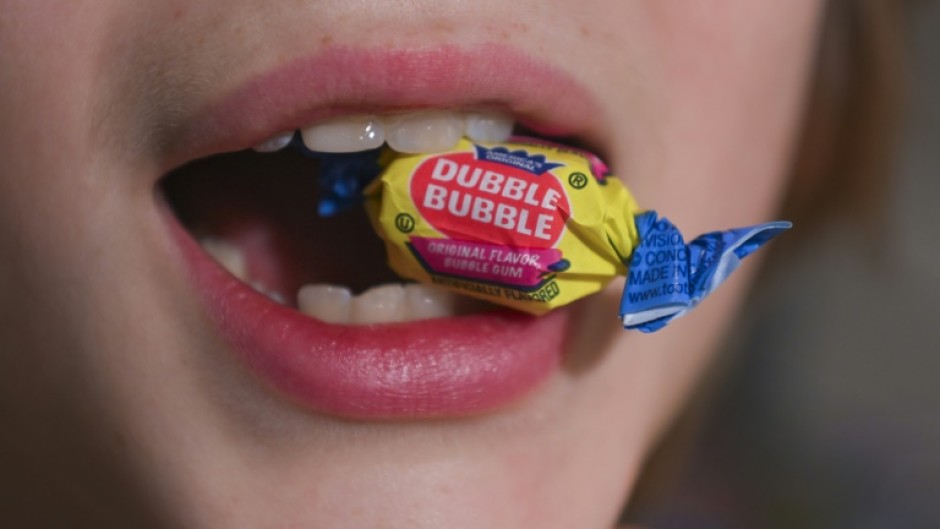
[{"x": 526, "y": 224}]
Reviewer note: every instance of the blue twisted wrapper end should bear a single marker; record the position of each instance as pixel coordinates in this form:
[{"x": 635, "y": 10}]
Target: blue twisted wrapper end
[
  {"x": 668, "y": 277},
  {"x": 343, "y": 176}
]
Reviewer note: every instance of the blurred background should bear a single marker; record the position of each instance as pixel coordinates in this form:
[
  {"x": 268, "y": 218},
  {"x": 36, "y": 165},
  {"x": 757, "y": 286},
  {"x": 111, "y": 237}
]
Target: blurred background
[{"x": 830, "y": 415}]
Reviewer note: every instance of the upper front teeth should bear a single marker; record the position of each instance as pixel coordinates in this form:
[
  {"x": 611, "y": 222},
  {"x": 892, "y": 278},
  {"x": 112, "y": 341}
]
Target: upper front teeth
[
  {"x": 275, "y": 143},
  {"x": 423, "y": 131},
  {"x": 351, "y": 134},
  {"x": 488, "y": 127}
]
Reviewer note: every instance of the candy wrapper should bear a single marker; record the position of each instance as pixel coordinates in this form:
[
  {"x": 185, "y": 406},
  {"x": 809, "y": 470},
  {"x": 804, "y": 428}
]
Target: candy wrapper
[{"x": 534, "y": 226}]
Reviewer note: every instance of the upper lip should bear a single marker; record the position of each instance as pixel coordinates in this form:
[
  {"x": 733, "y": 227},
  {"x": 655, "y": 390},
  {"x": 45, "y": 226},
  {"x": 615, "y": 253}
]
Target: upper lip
[{"x": 342, "y": 80}]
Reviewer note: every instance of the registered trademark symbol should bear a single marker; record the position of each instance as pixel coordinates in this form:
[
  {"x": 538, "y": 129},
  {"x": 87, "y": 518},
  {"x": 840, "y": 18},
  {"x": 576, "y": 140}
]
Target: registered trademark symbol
[
  {"x": 405, "y": 223},
  {"x": 578, "y": 180}
]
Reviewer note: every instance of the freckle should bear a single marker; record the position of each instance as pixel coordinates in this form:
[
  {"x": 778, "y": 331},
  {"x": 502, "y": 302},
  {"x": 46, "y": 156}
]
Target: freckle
[
  {"x": 444, "y": 26},
  {"x": 505, "y": 34},
  {"x": 326, "y": 39},
  {"x": 444, "y": 489}
]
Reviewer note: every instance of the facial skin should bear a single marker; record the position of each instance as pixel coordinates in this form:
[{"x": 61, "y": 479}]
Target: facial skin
[{"x": 123, "y": 407}]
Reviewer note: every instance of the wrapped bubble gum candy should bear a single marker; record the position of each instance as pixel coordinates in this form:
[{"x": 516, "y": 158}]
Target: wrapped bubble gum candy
[{"x": 533, "y": 226}]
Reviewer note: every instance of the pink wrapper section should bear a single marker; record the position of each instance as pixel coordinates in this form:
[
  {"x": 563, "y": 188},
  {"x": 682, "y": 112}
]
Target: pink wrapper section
[{"x": 490, "y": 263}]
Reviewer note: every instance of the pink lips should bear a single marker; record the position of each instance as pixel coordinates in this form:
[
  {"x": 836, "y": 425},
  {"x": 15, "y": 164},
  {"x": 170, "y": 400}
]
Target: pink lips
[
  {"x": 344, "y": 81},
  {"x": 434, "y": 368},
  {"x": 431, "y": 368}
]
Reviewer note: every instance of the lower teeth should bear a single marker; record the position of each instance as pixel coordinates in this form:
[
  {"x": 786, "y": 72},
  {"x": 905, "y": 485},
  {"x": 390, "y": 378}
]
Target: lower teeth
[
  {"x": 387, "y": 303},
  {"x": 227, "y": 255}
]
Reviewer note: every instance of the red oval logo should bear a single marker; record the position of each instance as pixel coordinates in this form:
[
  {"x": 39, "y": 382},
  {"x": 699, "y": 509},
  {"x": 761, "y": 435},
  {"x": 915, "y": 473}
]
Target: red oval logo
[{"x": 470, "y": 199}]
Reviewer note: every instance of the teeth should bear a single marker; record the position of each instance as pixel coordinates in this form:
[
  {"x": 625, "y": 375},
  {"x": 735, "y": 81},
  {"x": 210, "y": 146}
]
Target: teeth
[
  {"x": 328, "y": 303},
  {"x": 270, "y": 294},
  {"x": 414, "y": 133},
  {"x": 349, "y": 134},
  {"x": 423, "y": 132},
  {"x": 381, "y": 304},
  {"x": 228, "y": 255},
  {"x": 490, "y": 128},
  {"x": 336, "y": 304},
  {"x": 426, "y": 302},
  {"x": 275, "y": 143},
  {"x": 276, "y": 297}
]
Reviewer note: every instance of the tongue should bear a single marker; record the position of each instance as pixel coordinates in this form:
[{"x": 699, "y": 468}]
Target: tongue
[{"x": 266, "y": 205}]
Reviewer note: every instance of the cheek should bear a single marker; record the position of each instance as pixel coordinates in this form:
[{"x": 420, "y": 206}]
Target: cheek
[
  {"x": 708, "y": 109},
  {"x": 726, "y": 81},
  {"x": 59, "y": 192}
]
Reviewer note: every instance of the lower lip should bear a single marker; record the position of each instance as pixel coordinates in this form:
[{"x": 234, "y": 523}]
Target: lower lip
[{"x": 446, "y": 367}]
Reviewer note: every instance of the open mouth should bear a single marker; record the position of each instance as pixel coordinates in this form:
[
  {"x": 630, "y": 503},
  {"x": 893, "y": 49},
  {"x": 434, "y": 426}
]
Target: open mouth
[
  {"x": 307, "y": 301},
  {"x": 255, "y": 212}
]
